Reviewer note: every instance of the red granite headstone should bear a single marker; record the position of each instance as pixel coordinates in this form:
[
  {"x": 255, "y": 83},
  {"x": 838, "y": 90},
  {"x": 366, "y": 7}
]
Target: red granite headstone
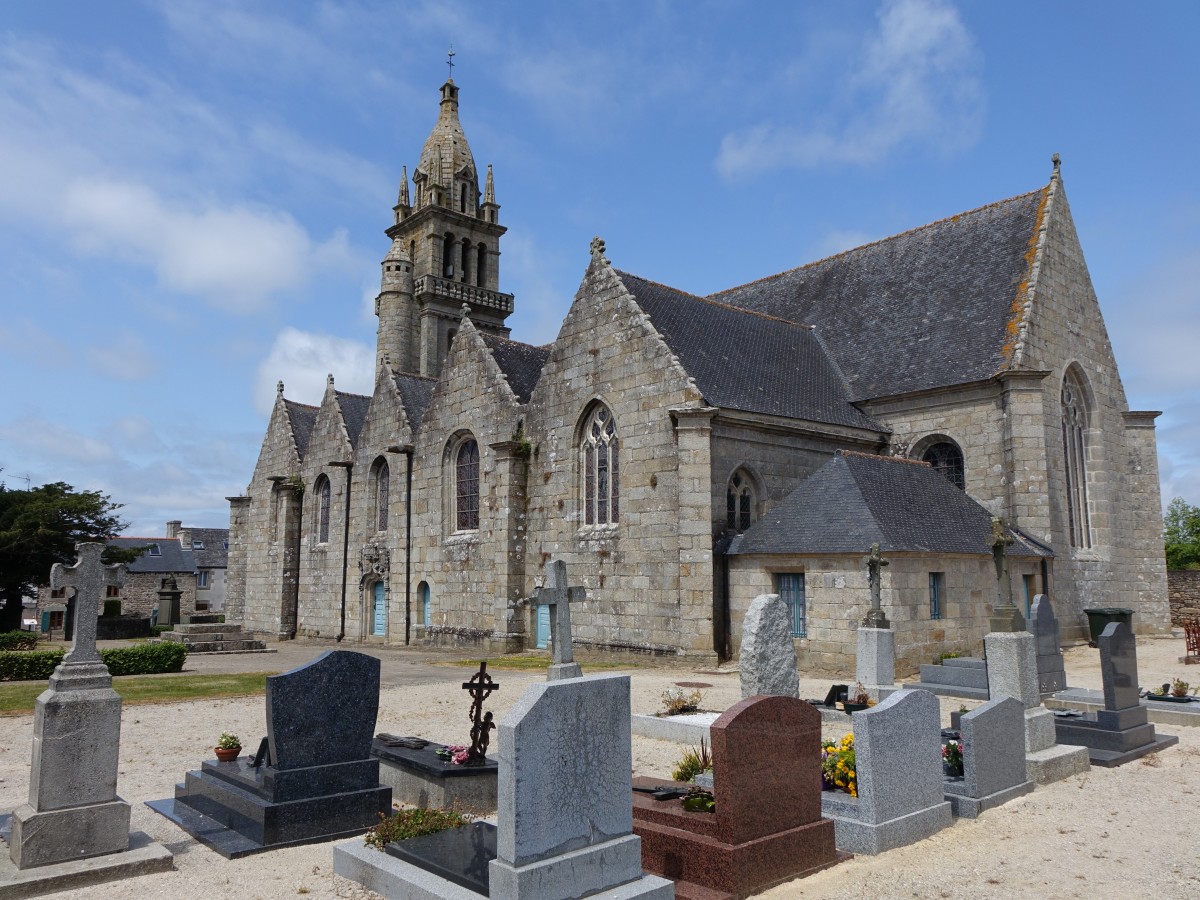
[{"x": 767, "y": 827}]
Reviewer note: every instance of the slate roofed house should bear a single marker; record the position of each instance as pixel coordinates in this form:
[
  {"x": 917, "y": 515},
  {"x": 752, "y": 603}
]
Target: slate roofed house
[
  {"x": 659, "y": 426},
  {"x": 195, "y": 557}
]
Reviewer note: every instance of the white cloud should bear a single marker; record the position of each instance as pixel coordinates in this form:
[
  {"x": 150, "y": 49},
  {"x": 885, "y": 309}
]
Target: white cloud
[
  {"x": 915, "y": 81},
  {"x": 838, "y": 241},
  {"x": 302, "y": 360},
  {"x": 29, "y": 341},
  {"x": 40, "y": 438},
  {"x": 234, "y": 257}
]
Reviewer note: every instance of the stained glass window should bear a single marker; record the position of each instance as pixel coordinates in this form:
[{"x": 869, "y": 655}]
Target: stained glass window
[
  {"x": 466, "y": 481},
  {"x": 947, "y": 459},
  {"x": 601, "y": 469}
]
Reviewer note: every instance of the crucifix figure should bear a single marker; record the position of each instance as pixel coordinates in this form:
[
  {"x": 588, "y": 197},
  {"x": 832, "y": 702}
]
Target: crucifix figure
[
  {"x": 875, "y": 617},
  {"x": 480, "y": 687},
  {"x": 88, "y": 577},
  {"x": 1005, "y": 616},
  {"x": 559, "y": 598}
]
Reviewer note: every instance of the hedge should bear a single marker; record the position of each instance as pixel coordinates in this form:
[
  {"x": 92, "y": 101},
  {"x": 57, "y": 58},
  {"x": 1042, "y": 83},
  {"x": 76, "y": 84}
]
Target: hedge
[
  {"x": 18, "y": 640},
  {"x": 143, "y": 659}
]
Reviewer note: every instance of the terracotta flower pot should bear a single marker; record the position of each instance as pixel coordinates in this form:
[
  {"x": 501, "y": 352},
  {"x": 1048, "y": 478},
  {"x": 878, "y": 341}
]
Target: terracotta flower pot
[{"x": 227, "y": 754}]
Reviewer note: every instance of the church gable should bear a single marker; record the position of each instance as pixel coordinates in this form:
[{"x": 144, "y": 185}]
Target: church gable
[
  {"x": 286, "y": 439},
  {"x": 928, "y": 308}
]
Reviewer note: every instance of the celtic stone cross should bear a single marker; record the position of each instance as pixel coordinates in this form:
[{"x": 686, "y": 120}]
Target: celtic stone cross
[
  {"x": 89, "y": 577},
  {"x": 559, "y": 597}
]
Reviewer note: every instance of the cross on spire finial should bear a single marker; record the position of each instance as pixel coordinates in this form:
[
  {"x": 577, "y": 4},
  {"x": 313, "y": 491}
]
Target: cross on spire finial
[{"x": 450, "y": 61}]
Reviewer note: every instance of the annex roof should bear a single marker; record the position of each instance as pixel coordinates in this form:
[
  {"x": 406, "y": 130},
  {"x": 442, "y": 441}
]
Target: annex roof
[
  {"x": 302, "y": 418},
  {"x": 354, "y": 413},
  {"x": 415, "y": 393},
  {"x": 928, "y": 308},
  {"x": 857, "y": 499},
  {"x": 521, "y": 363},
  {"x": 171, "y": 556},
  {"x": 215, "y": 554},
  {"x": 748, "y": 361}
]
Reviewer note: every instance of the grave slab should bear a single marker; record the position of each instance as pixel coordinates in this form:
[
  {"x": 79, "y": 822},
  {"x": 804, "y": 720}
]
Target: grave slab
[
  {"x": 310, "y": 787},
  {"x": 142, "y": 857},
  {"x": 1158, "y": 712},
  {"x": 419, "y": 777}
]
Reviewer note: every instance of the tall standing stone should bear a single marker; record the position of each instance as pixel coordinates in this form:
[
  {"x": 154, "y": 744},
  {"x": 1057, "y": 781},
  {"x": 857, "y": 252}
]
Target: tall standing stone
[{"x": 768, "y": 655}]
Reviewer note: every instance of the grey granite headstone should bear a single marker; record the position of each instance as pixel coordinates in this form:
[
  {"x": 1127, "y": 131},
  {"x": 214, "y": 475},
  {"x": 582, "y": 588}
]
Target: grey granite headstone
[
  {"x": 564, "y": 818},
  {"x": 768, "y": 655},
  {"x": 1043, "y": 625},
  {"x": 1012, "y": 666},
  {"x": 335, "y": 695},
  {"x": 1118, "y": 667},
  {"x": 898, "y": 755},
  {"x": 993, "y": 742}
]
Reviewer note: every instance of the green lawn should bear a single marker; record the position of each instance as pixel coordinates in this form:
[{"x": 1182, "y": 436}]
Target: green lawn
[{"x": 17, "y": 697}]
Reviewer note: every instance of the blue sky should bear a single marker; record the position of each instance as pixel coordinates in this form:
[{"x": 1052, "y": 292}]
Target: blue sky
[{"x": 193, "y": 194}]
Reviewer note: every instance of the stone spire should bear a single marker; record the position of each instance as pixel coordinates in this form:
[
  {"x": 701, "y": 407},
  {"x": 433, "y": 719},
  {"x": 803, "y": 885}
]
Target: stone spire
[
  {"x": 489, "y": 187},
  {"x": 403, "y": 207}
]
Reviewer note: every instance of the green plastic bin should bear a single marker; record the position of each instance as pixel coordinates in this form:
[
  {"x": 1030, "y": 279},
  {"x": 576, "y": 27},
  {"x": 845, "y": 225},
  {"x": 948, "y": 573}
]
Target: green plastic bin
[{"x": 1098, "y": 620}]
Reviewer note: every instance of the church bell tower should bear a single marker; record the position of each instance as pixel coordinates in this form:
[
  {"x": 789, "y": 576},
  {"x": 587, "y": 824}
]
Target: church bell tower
[{"x": 445, "y": 252}]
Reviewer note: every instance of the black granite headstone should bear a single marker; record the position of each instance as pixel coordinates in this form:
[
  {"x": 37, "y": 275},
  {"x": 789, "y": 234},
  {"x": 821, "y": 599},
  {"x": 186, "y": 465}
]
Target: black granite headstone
[
  {"x": 460, "y": 855},
  {"x": 1118, "y": 667},
  {"x": 324, "y": 711}
]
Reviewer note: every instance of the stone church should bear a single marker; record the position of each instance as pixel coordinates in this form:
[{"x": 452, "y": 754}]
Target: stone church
[{"x": 683, "y": 454}]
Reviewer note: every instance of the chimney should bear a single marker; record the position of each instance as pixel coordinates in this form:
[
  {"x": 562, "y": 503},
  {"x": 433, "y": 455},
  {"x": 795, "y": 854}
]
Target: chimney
[{"x": 173, "y": 528}]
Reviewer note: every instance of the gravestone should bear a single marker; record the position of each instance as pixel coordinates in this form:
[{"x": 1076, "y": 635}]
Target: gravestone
[
  {"x": 74, "y": 828},
  {"x": 168, "y": 602},
  {"x": 767, "y": 660},
  {"x": 564, "y": 819},
  {"x": 993, "y": 745},
  {"x": 559, "y": 597},
  {"x": 1051, "y": 671},
  {"x": 898, "y": 757},
  {"x": 318, "y": 780},
  {"x": 1012, "y": 672},
  {"x": 1121, "y": 732},
  {"x": 767, "y": 826}
]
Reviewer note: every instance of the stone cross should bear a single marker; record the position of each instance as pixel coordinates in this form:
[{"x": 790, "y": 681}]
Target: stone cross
[
  {"x": 1005, "y": 617},
  {"x": 875, "y": 617},
  {"x": 559, "y": 597},
  {"x": 88, "y": 577},
  {"x": 597, "y": 246}
]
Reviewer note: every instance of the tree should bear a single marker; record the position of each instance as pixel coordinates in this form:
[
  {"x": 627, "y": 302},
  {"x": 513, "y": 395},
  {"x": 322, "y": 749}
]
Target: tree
[
  {"x": 1181, "y": 526},
  {"x": 39, "y": 527}
]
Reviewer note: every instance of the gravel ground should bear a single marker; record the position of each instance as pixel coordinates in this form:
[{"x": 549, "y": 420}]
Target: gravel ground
[{"x": 1122, "y": 832}]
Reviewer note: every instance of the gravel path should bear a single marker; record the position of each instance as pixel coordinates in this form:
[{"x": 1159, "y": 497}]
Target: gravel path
[{"x": 1120, "y": 832}]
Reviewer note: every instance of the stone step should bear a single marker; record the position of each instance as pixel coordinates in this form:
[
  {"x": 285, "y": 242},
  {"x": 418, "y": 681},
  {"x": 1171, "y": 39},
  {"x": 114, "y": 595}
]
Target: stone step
[
  {"x": 206, "y": 628},
  {"x": 224, "y": 646},
  {"x": 964, "y": 662},
  {"x": 954, "y": 675},
  {"x": 954, "y": 690}
]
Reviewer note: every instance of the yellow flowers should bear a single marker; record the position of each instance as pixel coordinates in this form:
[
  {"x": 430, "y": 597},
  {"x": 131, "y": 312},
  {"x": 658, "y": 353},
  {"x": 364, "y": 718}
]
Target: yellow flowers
[{"x": 838, "y": 771}]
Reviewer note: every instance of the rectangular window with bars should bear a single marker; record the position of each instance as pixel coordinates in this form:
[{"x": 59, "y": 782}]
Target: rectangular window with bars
[
  {"x": 936, "y": 583},
  {"x": 791, "y": 589}
]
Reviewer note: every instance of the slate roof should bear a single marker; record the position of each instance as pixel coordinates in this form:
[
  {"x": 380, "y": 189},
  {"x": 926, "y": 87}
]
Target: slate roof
[
  {"x": 856, "y": 500},
  {"x": 748, "y": 361},
  {"x": 215, "y": 554},
  {"x": 354, "y": 413},
  {"x": 415, "y": 393},
  {"x": 521, "y": 363},
  {"x": 927, "y": 308},
  {"x": 172, "y": 557},
  {"x": 302, "y": 417}
]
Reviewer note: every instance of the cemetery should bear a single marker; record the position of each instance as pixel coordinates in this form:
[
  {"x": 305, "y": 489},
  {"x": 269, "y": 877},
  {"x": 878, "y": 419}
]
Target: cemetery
[{"x": 563, "y": 796}]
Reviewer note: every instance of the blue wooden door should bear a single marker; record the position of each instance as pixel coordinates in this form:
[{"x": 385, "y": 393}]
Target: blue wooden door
[
  {"x": 543, "y": 626},
  {"x": 379, "y": 626}
]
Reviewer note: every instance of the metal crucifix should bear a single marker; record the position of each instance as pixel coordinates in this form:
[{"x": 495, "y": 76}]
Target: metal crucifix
[{"x": 480, "y": 687}]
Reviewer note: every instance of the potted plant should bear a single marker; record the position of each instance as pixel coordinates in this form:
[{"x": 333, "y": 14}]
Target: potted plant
[
  {"x": 857, "y": 701},
  {"x": 228, "y": 747},
  {"x": 1179, "y": 687},
  {"x": 952, "y": 759},
  {"x": 839, "y": 768}
]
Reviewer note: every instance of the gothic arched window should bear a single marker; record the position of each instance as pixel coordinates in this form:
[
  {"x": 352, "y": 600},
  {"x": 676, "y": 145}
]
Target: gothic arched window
[
  {"x": 600, "y": 461},
  {"x": 466, "y": 486},
  {"x": 381, "y": 489},
  {"x": 739, "y": 502},
  {"x": 322, "y": 492},
  {"x": 946, "y": 457},
  {"x": 1074, "y": 438}
]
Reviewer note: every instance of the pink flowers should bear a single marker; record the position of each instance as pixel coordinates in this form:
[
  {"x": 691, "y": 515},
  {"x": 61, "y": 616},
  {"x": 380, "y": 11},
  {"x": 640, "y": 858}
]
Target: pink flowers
[{"x": 454, "y": 754}]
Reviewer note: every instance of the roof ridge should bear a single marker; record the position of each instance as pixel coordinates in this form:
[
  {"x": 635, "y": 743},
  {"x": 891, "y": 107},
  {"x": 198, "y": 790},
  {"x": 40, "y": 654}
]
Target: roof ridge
[
  {"x": 397, "y": 374},
  {"x": 298, "y": 403},
  {"x": 495, "y": 337},
  {"x": 338, "y": 393},
  {"x": 728, "y": 306},
  {"x": 895, "y": 459},
  {"x": 882, "y": 240}
]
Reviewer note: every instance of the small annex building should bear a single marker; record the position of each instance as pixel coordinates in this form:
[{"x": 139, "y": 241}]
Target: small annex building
[{"x": 660, "y": 425}]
